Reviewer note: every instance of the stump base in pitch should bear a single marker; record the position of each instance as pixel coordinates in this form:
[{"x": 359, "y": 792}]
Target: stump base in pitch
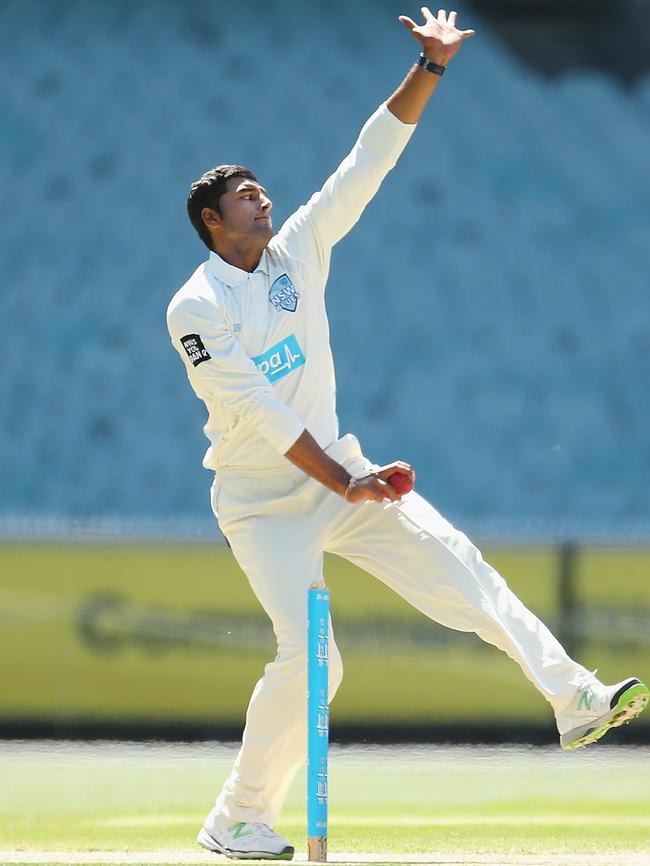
[{"x": 317, "y": 848}]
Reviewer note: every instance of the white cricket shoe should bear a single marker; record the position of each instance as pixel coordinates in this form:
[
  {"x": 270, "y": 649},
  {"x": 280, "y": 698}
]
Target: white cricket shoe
[
  {"x": 597, "y": 708},
  {"x": 241, "y": 840}
]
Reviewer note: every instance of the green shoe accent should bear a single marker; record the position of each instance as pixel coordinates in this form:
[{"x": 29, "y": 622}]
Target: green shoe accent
[
  {"x": 630, "y": 704},
  {"x": 238, "y": 830},
  {"x": 586, "y": 698}
]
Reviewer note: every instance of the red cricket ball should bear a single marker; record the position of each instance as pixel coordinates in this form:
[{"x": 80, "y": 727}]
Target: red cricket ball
[{"x": 401, "y": 483}]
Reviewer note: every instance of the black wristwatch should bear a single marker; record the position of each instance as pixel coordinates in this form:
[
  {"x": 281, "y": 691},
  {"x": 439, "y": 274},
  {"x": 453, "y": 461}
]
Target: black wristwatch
[{"x": 430, "y": 66}]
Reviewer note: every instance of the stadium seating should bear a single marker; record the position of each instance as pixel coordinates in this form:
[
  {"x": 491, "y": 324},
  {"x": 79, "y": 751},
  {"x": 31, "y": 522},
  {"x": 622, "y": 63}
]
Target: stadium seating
[{"x": 490, "y": 314}]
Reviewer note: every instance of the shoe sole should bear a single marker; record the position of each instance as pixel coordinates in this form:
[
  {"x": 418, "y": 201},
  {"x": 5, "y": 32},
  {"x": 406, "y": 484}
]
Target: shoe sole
[
  {"x": 630, "y": 703},
  {"x": 211, "y": 844}
]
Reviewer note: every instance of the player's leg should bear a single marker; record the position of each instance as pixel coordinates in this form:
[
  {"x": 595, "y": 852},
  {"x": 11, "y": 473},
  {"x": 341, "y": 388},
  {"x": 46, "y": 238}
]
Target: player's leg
[
  {"x": 419, "y": 554},
  {"x": 275, "y": 737},
  {"x": 280, "y": 553}
]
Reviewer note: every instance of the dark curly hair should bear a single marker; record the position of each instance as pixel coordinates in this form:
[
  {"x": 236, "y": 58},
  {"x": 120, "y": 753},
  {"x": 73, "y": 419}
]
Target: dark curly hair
[{"x": 207, "y": 191}]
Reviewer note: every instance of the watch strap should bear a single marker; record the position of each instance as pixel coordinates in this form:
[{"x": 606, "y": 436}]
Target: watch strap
[{"x": 430, "y": 66}]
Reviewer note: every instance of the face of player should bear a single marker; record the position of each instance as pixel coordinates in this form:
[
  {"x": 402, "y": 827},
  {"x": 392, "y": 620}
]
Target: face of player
[{"x": 245, "y": 212}]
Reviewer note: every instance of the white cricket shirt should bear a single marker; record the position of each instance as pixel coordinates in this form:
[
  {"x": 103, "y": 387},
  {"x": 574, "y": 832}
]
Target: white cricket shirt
[{"x": 256, "y": 345}]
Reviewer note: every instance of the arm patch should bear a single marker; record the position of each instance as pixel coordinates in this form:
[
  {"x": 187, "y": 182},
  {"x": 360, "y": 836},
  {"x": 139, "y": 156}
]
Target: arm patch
[{"x": 196, "y": 351}]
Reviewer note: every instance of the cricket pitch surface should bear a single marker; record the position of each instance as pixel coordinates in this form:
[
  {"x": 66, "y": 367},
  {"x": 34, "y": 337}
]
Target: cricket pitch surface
[
  {"x": 187, "y": 858},
  {"x": 108, "y": 803}
]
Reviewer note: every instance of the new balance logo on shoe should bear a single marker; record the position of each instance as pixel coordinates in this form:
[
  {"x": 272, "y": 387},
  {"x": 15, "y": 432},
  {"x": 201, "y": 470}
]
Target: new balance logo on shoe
[
  {"x": 586, "y": 699},
  {"x": 238, "y": 831}
]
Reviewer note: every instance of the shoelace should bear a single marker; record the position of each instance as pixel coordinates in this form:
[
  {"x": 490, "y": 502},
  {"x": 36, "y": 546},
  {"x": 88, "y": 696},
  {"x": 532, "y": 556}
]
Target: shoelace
[{"x": 261, "y": 829}]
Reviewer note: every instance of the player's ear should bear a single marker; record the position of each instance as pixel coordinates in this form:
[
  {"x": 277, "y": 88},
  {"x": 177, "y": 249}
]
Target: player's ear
[{"x": 211, "y": 218}]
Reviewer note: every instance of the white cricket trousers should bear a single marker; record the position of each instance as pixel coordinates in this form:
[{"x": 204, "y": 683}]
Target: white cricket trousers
[{"x": 278, "y": 524}]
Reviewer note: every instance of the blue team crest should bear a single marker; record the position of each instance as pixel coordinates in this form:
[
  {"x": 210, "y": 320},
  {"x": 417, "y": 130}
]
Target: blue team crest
[{"x": 283, "y": 295}]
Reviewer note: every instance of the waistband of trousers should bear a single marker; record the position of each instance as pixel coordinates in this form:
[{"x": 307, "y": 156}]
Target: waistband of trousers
[
  {"x": 254, "y": 471},
  {"x": 344, "y": 447}
]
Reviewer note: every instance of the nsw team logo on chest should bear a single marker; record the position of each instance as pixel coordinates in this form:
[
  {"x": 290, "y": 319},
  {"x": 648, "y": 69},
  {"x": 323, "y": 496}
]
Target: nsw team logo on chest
[{"x": 283, "y": 295}]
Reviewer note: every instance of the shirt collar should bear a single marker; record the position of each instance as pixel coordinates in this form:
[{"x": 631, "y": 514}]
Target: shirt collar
[{"x": 229, "y": 274}]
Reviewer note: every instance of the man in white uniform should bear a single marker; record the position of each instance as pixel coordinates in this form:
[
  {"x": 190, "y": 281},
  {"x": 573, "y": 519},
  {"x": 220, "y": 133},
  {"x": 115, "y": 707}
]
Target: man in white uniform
[{"x": 251, "y": 328}]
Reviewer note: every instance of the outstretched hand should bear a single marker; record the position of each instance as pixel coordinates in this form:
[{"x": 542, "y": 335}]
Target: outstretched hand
[{"x": 439, "y": 37}]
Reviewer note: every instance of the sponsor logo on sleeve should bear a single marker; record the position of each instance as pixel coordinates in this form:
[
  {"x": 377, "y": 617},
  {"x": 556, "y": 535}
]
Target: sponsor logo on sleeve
[
  {"x": 283, "y": 295},
  {"x": 281, "y": 359},
  {"x": 196, "y": 351}
]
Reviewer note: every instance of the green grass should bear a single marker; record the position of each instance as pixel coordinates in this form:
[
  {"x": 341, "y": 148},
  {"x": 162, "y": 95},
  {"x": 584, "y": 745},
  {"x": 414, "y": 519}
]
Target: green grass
[{"x": 416, "y": 800}]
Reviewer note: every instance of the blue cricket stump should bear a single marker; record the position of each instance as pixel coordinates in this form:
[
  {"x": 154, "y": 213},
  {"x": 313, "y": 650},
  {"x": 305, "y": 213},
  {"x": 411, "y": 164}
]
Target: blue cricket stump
[{"x": 318, "y": 613}]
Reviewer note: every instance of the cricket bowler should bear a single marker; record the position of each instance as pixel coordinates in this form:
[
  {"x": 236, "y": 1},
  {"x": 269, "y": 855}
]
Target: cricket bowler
[{"x": 251, "y": 328}]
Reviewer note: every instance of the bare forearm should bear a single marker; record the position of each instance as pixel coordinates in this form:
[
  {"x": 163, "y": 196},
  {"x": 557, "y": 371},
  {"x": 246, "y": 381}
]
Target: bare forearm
[
  {"x": 411, "y": 97},
  {"x": 306, "y": 454}
]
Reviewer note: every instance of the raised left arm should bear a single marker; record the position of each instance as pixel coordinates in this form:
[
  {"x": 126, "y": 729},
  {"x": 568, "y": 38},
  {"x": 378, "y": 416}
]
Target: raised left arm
[
  {"x": 334, "y": 210},
  {"x": 439, "y": 39}
]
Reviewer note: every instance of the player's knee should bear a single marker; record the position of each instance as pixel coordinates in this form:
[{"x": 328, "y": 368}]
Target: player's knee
[
  {"x": 291, "y": 659},
  {"x": 292, "y": 654}
]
